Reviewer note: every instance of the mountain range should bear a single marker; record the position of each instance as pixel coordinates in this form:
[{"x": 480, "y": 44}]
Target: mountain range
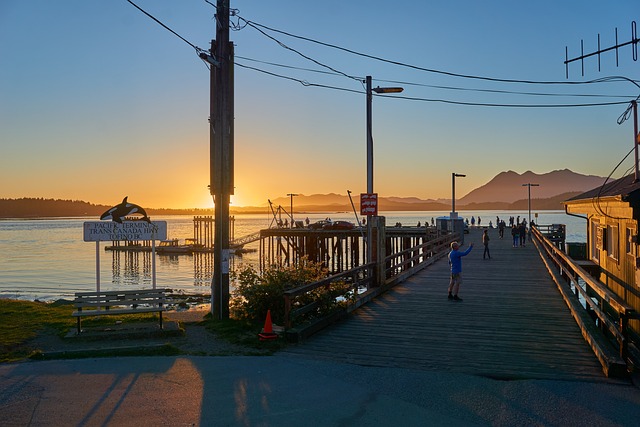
[{"x": 504, "y": 192}]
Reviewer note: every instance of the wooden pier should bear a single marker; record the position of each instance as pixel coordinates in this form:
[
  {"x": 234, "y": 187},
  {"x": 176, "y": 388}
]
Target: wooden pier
[
  {"x": 339, "y": 250},
  {"x": 511, "y": 324}
]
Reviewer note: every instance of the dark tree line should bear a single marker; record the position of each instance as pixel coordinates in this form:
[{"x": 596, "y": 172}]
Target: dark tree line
[{"x": 41, "y": 207}]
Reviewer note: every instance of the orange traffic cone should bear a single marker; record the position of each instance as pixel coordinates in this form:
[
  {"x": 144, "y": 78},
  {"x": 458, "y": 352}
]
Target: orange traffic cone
[{"x": 267, "y": 332}]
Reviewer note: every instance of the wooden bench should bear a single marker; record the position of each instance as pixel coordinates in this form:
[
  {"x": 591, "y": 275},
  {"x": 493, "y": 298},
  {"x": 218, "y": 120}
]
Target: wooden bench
[{"x": 119, "y": 302}]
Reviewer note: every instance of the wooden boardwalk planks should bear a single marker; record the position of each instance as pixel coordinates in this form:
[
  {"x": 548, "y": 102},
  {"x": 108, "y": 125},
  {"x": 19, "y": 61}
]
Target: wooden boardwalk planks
[{"x": 512, "y": 323}]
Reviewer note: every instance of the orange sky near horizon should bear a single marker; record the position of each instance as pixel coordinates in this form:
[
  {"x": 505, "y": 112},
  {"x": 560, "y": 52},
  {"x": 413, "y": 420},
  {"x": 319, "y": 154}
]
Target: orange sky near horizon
[{"x": 100, "y": 102}]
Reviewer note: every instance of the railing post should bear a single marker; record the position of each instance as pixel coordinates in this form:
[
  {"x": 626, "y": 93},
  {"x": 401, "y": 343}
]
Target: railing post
[
  {"x": 379, "y": 249},
  {"x": 625, "y": 336},
  {"x": 287, "y": 311}
]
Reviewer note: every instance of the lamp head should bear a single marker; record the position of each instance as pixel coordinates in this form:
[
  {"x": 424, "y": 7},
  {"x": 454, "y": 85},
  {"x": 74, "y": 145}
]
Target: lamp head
[{"x": 387, "y": 89}]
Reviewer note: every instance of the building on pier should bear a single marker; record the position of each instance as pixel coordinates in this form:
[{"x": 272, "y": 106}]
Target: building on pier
[{"x": 612, "y": 212}]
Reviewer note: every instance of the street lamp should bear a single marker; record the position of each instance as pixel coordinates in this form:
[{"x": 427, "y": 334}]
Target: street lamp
[
  {"x": 454, "y": 215},
  {"x": 292, "y": 195},
  {"x": 370, "y": 91},
  {"x": 530, "y": 185},
  {"x": 378, "y": 90}
]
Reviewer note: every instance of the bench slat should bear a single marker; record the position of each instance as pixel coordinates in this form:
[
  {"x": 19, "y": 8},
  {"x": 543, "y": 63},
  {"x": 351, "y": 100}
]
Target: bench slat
[
  {"x": 119, "y": 302},
  {"x": 119, "y": 311}
]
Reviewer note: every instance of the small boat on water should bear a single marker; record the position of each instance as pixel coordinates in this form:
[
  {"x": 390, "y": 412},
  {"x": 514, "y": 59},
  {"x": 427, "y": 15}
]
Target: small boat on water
[{"x": 173, "y": 247}]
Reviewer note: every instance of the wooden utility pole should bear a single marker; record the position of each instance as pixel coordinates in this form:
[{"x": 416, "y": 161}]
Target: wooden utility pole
[{"x": 221, "y": 157}]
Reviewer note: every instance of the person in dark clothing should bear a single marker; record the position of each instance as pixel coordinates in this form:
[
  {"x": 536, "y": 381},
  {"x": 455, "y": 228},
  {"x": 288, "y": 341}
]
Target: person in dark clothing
[
  {"x": 522, "y": 230},
  {"x": 485, "y": 242}
]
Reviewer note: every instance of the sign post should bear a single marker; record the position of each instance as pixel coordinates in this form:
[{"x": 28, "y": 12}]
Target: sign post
[
  {"x": 109, "y": 231},
  {"x": 369, "y": 207}
]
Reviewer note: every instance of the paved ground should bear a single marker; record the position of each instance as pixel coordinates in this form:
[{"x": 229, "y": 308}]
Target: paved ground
[{"x": 283, "y": 391}]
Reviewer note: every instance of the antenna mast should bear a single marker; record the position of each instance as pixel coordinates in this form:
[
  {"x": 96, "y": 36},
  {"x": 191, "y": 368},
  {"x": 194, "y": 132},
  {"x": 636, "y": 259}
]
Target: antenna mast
[
  {"x": 634, "y": 50},
  {"x": 634, "y": 105}
]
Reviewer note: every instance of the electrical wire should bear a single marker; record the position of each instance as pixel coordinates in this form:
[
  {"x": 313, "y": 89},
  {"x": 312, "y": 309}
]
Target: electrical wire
[
  {"x": 283, "y": 45},
  {"x": 302, "y": 82},
  {"x": 197, "y": 49},
  {"x": 445, "y": 101},
  {"x": 306, "y": 83},
  {"x": 453, "y": 88},
  {"x": 258, "y": 27},
  {"x": 596, "y": 200}
]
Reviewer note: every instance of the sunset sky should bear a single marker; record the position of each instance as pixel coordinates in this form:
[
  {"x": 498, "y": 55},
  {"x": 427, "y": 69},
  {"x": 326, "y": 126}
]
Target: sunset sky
[{"x": 98, "y": 101}]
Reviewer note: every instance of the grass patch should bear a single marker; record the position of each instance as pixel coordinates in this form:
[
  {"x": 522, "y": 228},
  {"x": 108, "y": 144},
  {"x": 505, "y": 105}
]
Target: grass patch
[
  {"x": 22, "y": 320},
  {"x": 243, "y": 333}
]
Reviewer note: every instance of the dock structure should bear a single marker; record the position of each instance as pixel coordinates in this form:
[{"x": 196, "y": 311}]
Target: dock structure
[
  {"x": 338, "y": 250},
  {"x": 511, "y": 324}
]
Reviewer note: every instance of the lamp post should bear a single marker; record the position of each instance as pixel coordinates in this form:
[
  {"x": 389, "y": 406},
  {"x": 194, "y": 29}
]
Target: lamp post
[
  {"x": 370, "y": 90},
  {"x": 291, "y": 195},
  {"x": 529, "y": 204},
  {"x": 454, "y": 175}
]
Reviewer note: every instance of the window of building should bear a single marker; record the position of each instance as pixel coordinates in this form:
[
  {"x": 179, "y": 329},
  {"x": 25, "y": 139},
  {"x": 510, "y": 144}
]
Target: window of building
[
  {"x": 613, "y": 248},
  {"x": 596, "y": 240},
  {"x": 629, "y": 244}
]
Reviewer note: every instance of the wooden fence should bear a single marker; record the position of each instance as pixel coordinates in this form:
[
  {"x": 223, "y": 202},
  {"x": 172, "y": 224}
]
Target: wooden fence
[
  {"x": 596, "y": 308},
  {"x": 304, "y": 312}
]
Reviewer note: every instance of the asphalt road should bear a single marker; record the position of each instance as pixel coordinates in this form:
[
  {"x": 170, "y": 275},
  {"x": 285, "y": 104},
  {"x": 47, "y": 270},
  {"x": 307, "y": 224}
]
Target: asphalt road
[{"x": 291, "y": 391}]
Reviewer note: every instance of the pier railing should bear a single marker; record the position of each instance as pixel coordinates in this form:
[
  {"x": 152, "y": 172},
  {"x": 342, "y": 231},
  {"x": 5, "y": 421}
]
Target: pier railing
[
  {"x": 604, "y": 317},
  {"x": 358, "y": 286}
]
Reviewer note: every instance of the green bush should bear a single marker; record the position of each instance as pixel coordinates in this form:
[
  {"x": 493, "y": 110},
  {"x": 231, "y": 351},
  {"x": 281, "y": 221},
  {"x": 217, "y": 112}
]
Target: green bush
[{"x": 257, "y": 293}]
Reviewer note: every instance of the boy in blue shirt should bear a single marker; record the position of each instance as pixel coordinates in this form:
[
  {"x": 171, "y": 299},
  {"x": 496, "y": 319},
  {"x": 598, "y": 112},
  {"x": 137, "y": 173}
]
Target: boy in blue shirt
[{"x": 455, "y": 261}]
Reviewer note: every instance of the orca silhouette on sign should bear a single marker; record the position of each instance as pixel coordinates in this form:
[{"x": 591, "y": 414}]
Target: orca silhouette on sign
[{"x": 119, "y": 212}]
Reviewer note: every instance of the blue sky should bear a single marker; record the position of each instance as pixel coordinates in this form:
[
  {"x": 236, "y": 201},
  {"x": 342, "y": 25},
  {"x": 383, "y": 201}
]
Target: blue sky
[{"x": 98, "y": 101}]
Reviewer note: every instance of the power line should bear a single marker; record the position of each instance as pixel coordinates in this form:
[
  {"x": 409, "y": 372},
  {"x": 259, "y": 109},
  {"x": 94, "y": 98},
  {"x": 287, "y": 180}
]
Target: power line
[
  {"x": 306, "y": 83},
  {"x": 255, "y": 25},
  {"x": 296, "y": 51},
  {"x": 445, "y": 101},
  {"x": 197, "y": 49},
  {"x": 454, "y": 88}
]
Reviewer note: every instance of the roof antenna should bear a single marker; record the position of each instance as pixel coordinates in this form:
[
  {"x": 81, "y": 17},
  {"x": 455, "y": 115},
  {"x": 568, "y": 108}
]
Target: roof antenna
[{"x": 634, "y": 50}]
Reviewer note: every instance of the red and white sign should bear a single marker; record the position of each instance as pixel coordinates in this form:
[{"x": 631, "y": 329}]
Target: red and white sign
[{"x": 369, "y": 204}]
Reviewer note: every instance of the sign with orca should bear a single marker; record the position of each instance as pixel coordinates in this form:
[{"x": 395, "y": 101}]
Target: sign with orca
[
  {"x": 120, "y": 211},
  {"x": 102, "y": 231}
]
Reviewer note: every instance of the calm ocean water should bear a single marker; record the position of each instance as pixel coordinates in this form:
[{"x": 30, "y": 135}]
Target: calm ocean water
[{"x": 47, "y": 259}]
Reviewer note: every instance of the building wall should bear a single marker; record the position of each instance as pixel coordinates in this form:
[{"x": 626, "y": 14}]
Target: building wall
[{"x": 613, "y": 245}]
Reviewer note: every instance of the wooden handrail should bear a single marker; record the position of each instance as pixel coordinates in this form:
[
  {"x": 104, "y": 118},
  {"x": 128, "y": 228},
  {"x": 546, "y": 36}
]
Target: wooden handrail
[
  {"x": 425, "y": 254},
  {"x": 571, "y": 271}
]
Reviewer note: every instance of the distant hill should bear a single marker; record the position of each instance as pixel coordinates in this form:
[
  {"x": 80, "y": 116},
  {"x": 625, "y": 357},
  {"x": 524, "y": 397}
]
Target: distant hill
[
  {"x": 40, "y": 208},
  {"x": 507, "y": 186},
  {"x": 503, "y": 192}
]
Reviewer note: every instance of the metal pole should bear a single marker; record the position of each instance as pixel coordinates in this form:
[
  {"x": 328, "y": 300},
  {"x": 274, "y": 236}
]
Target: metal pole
[
  {"x": 453, "y": 194},
  {"x": 291, "y": 195},
  {"x": 636, "y": 139},
  {"x": 529, "y": 204},
  {"x": 97, "y": 266},
  {"x": 369, "y": 138},
  {"x": 369, "y": 168},
  {"x": 529, "y": 198}
]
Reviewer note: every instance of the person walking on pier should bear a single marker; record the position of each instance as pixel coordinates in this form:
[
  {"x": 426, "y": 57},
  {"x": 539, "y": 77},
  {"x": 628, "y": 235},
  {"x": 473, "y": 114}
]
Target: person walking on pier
[
  {"x": 515, "y": 234},
  {"x": 455, "y": 261},
  {"x": 485, "y": 242}
]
